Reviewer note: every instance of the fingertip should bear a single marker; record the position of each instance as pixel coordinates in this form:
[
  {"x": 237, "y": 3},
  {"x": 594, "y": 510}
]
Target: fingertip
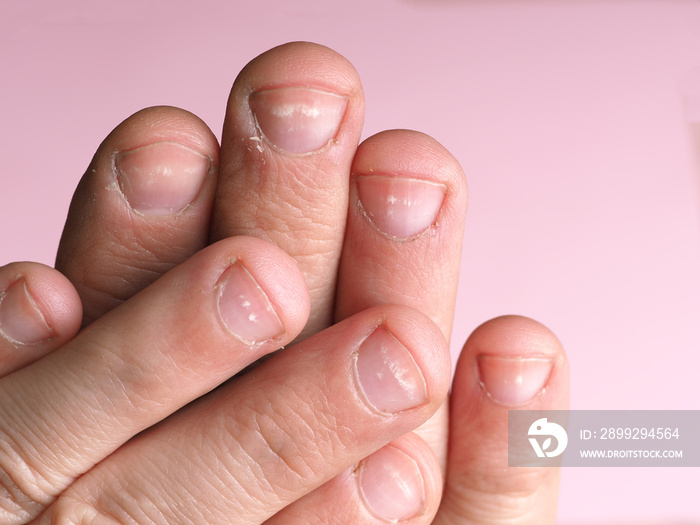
[
  {"x": 427, "y": 345},
  {"x": 516, "y": 362},
  {"x": 164, "y": 123},
  {"x": 321, "y": 65},
  {"x": 40, "y": 310},
  {"x": 402, "y": 154},
  {"x": 301, "y": 99},
  {"x": 278, "y": 275},
  {"x": 508, "y": 363},
  {"x": 142, "y": 207},
  {"x": 401, "y": 482}
]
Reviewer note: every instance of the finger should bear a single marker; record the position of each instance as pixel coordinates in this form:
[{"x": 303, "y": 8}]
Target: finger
[
  {"x": 293, "y": 122},
  {"x": 401, "y": 482},
  {"x": 39, "y": 312},
  {"x": 507, "y": 363},
  {"x": 278, "y": 432},
  {"x": 191, "y": 330},
  {"x": 405, "y": 224},
  {"x": 142, "y": 207},
  {"x": 404, "y": 227}
]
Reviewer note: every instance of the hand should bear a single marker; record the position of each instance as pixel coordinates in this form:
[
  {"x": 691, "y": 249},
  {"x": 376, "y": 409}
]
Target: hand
[{"x": 286, "y": 440}]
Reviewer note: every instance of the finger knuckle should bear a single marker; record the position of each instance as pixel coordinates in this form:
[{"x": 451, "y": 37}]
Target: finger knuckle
[
  {"x": 24, "y": 492},
  {"x": 288, "y": 438},
  {"x": 70, "y": 511}
]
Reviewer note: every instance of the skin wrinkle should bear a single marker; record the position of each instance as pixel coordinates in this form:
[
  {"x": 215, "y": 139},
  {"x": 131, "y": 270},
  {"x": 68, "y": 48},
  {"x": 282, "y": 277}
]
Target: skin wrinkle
[
  {"x": 324, "y": 429},
  {"x": 15, "y": 503},
  {"x": 69, "y": 509},
  {"x": 273, "y": 220},
  {"x": 256, "y": 487},
  {"x": 529, "y": 482},
  {"x": 284, "y": 441},
  {"x": 26, "y": 489},
  {"x": 157, "y": 247},
  {"x": 482, "y": 506},
  {"x": 279, "y": 437},
  {"x": 151, "y": 253},
  {"x": 104, "y": 280},
  {"x": 295, "y": 205},
  {"x": 161, "y": 505},
  {"x": 212, "y": 440},
  {"x": 379, "y": 291},
  {"x": 219, "y": 487}
]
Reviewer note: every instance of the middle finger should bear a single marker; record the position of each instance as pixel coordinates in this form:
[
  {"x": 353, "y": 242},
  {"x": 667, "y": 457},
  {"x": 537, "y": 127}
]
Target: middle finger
[{"x": 292, "y": 127}]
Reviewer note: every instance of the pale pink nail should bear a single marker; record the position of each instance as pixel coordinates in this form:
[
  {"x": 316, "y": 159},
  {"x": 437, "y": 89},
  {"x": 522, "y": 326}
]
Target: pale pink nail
[
  {"x": 388, "y": 375},
  {"x": 161, "y": 178},
  {"x": 391, "y": 485},
  {"x": 244, "y": 307},
  {"x": 400, "y": 207},
  {"x": 298, "y": 120},
  {"x": 21, "y": 321},
  {"x": 513, "y": 381}
]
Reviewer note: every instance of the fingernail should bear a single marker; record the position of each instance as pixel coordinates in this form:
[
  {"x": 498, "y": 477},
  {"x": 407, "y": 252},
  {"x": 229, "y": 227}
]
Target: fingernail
[
  {"x": 391, "y": 485},
  {"x": 400, "y": 207},
  {"x": 21, "y": 321},
  {"x": 513, "y": 381},
  {"x": 298, "y": 120},
  {"x": 244, "y": 307},
  {"x": 161, "y": 178},
  {"x": 388, "y": 375}
]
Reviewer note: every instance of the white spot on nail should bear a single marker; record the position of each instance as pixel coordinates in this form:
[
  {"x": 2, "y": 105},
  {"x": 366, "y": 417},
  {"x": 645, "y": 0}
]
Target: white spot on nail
[
  {"x": 401, "y": 374},
  {"x": 287, "y": 110}
]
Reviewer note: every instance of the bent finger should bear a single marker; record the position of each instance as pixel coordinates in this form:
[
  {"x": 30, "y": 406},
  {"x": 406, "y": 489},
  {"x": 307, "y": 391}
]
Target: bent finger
[
  {"x": 277, "y": 432},
  {"x": 142, "y": 207},
  {"x": 507, "y": 363},
  {"x": 408, "y": 200},
  {"x": 39, "y": 312},
  {"x": 191, "y": 330},
  {"x": 401, "y": 482}
]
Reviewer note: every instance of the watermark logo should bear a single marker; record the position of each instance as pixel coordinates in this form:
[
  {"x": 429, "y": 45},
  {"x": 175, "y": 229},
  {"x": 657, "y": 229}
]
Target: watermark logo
[
  {"x": 541, "y": 428},
  {"x": 603, "y": 438}
]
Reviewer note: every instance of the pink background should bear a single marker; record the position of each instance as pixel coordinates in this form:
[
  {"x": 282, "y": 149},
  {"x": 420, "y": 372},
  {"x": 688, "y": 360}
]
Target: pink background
[{"x": 569, "y": 117}]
